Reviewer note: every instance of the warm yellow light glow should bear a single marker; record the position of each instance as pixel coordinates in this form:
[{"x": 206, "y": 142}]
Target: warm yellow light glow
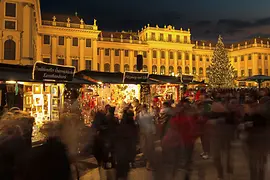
[
  {"x": 99, "y": 82},
  {"x": 13, "y": 82},
  {"x": 168, "y": 83}
]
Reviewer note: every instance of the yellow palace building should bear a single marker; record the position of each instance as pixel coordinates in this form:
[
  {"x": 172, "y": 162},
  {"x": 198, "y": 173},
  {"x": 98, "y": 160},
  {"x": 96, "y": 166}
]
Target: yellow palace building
[{"x": 26, "y": 36}]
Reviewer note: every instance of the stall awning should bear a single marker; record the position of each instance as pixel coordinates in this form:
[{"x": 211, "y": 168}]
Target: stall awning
[
  {"x": 9, "y": 72},
  {"x": 102, "y": 77},
  {"x": 161, "y": 79}
]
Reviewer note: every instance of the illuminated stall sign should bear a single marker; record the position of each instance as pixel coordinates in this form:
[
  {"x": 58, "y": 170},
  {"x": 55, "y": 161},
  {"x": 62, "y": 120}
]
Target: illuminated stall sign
[
  {"x": 135, "y": 78},
  {"x": 44, "y": 71},
  {"x": 187, "y": 79}
]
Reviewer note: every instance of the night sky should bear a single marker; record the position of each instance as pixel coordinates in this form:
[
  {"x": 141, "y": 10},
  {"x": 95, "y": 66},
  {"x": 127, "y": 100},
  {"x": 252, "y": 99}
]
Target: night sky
[{"x": 236, "y": 20}]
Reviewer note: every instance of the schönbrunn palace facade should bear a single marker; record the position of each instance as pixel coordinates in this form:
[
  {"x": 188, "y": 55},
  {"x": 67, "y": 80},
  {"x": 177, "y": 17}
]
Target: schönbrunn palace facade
[{"x": 27, "y": 36}]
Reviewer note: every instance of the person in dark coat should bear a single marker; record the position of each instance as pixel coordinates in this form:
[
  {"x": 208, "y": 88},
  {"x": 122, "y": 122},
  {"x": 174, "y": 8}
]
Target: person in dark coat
[{"x": 125, "y": 144}]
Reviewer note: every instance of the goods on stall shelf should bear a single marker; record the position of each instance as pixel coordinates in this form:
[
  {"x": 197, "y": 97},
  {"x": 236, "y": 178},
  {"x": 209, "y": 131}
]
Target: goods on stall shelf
[{"x": 162, "y": 93}]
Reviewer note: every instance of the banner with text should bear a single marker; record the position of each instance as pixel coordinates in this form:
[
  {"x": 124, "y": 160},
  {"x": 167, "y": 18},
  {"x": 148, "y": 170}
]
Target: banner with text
[
  {"x": 45, "y": 71},
  {"x": 135, "y": 78},
  {"x": 186, "y": 79}
]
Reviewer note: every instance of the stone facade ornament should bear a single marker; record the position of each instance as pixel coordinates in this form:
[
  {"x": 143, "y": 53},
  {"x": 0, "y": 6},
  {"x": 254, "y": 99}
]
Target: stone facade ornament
[
  {"x": 157, "y": 26},
  {"x": 68, "y": 20},
  {"x": 95, "y": 22},
  {"x": 82, "y": 22},
  {"x": 54, "y": 18}
]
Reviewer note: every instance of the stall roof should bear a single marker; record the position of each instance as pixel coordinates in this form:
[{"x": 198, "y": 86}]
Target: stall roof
[
  {"x": 104, "y": 77},
  {"x": 10, "y": 72},
  {"x": 162, "y": 79}
]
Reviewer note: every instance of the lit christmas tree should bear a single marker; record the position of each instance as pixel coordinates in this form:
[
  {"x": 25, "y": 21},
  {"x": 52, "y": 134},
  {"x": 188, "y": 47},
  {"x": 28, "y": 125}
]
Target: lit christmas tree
[{"x": 221, "y": 72}]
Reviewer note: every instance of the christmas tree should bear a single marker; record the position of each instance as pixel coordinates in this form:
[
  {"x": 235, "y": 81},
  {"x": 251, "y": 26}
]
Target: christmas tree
[{"x": 221, "y": 72}]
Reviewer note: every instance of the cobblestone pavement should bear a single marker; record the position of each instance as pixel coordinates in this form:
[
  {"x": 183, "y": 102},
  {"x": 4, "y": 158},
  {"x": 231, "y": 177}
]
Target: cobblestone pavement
[{"x": 200, "y": 168}]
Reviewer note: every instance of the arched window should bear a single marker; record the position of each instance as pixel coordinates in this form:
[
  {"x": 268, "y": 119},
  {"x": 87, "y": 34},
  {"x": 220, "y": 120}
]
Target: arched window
[
  {"x": 207, "y": 71},
  {"x": 154, "y": 69},
  {"x": 171, "y": 71},
  {"x": 117, "y": 68},
  {"x": 187, "y": 70},
  {"x": 162, "y": 70},
  {"x": 126, "y": 67},
  {"x": 145, "y": 68},
  {"x": 201, "y": 71},
  {"x": 135, "y": 68},
  {"x": 107, "y": 67},
  {"x": 9, "y": 50},
  {"x": 193, "y": 70},
  {"x": 179, "y": 70}
]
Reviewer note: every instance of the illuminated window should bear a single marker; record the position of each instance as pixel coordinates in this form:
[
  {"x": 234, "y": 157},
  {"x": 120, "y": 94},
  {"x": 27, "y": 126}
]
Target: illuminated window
[
  {"x": 170, "y": 38},
  {"x": 185, "y": 39},
  {"x": 163, "y": 54},
  {"x": 179, "y": 70},
  {"x": 154, "y": 69},
  {"x": 161, "y": 38},
  {"x": 126, "y": 67},
  {"x": 187, "y": 70},
  {"x": 266, "y": 72},
  {"x": 186, "y": 56},
  {"x": 236, "y": 73},
  {"x": 242, "y": 58},
  {"x": 193, "y": 57},
  {"x": 61, "y": 61},
  {"x": 260, "y": 71},
  {"x": 75, "y": 63},
  {"x": 171, "y": 71},
  {"x": 61, "y": 40},
  {"x": 107, "y": 67},
  {"x": 135, "y": 53},
  {"x": 145, "y": 68},
  {"x": 171, "y": 55},
  {"x": 154, "y": 54},
  {"x": 10, "y": 24},
  {"x": 177, "y": 38},
  {"x": 98, "y": 66},
  {"x": 47, "y": 60},
  {"x": 88, "y": 64},
  {"x": 207, "y": 59},
  {"x": 179, "y": 55},
  {"x": 201, "y": 59},
  {"x": 117, "y": 68},
  {"x": 153, "y": 36},
  {"x": 75, "y": 41},
  {"x": 266, "y": 57},
  {"x": 126, "y": 53},
  {"x": 9, "y": 50},
  {"x": 88, "y": 43},
  {"x": 107, "y": 52},
  {"x": 10, "y": 10},
  {"x": 250, "y": 72},
  {"x": 193, "y": 70},
  {"x": 235, "y": 59},
  {"x": 117, "y": 52},
  {"x": 144, "y": 54},
  {"x": 259, "y": 56},
  {"x": 47, "y": 39},
  {"x": 249, "y": 57},
  {"x": 200, "y": 71},
  {"x": 242, "y": 73},
  {"x": 162, "y": 70},
  {"x": 98, "y": 51}
]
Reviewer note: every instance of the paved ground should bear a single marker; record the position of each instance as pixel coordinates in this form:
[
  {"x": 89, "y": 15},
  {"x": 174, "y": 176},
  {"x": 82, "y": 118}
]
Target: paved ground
[{"x": 201, "y": 168}]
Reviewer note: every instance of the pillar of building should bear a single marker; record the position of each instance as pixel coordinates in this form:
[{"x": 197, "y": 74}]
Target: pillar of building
[
  {"x": 81, "y": 49},
  {"x": 101, "y": 59},
  {"x": 197, "y": 59},
  {"x": 150, "y": 61},
  {"x": 54, "y": 50},
  {"x": 175, "y": 64},
  {"x": 166, "y": 62},
  {"x": 263, "y": 65},
  {"x": 27, "y": 47},
  {"x": 38, "y": 48},
  {"x": 183, "y": 63},
  {"x": 68, "y": 46},
  {"x": 239, "y": 66},
  {"x": 255, "y": 64},
  {"x": 204, "y": 67},
  {"x": 95, "y": 57},
  {"x": 190, "y": 63},
  {"x": 112, "y": 60},
  {"x": 246, "y": 64},
  {"x": 158, "y": 61},
  {"x": 122, "y": 62},
  {"x": 132, "y": 59}
]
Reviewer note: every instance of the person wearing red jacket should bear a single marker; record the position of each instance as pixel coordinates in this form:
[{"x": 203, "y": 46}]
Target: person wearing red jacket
[{"x": 179, "y": 141}]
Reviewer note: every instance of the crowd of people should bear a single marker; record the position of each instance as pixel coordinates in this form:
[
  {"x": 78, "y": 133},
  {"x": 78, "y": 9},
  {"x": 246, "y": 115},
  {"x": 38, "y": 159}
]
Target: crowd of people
[{"x": 214, "y": 117}]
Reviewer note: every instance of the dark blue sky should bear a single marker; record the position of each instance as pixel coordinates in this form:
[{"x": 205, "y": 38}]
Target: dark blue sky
[{"x": 234, "y": 19}]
